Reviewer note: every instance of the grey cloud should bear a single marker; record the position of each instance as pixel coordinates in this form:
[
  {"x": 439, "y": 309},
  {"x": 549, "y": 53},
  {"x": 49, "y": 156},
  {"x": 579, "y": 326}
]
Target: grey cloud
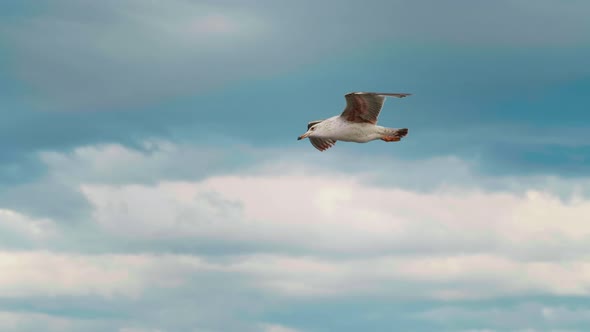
[
  {"x": 89, "y": 56},
  {"x": 124, "y": 181},
  {"x": 528, "y": 315},
  {"x": 303, "y": 259},
  {"x": 149, "y": 162},
  {"x": 46, "y": 198},
  {"x": 130, "y": 53},
  {"x": 182, "y": 296},
  {"x": 106, "y": 58},
  {"x": 55, "y": 191},
  {"x": 147, "y": 64}
]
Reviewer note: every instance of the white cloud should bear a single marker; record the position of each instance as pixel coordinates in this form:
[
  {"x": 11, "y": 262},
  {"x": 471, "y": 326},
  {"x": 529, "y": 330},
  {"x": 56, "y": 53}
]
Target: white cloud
[
  {"x": 50, "y": 274},
  {"x": 277, "y": 328},
  {"x": 22, "y": 321},
  {"x": 443, "y": 277},
  {"x": 308, "y": 230},
  {"x": 26, "y": 227},
  {"x": 108, "y": 276},
  {"x": 119, "y": 277},
  {"x": 339, "y": 213},
  {"x": 326, "y": 227},
  {"x": 114, "y": 163}
]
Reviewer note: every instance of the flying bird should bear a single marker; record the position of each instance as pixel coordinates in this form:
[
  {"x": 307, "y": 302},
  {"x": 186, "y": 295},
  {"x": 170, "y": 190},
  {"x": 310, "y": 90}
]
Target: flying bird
[{"x": 357, "y": 123}]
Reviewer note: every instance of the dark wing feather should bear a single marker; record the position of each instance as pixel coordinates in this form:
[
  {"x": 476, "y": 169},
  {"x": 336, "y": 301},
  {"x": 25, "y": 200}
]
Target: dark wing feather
[
  {"x": 322, "y": 143},
  {"x": 366, "y": 106}
]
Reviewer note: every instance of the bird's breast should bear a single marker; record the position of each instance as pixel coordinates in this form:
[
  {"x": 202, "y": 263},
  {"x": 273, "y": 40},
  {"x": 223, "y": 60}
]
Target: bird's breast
[{"x": 352, "y": 132}]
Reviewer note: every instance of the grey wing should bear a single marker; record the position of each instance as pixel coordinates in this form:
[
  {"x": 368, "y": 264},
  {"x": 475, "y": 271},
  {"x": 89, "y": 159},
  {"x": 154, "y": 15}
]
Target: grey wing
[
  {"x": 322, "y": 143},
  {"x": 366, "y": 106}
]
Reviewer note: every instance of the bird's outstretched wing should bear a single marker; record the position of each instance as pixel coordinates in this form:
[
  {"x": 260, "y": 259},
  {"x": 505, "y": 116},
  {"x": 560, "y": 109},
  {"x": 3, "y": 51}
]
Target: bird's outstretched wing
[
  {"x": 322, "y": 143},
  {"x": 365, "y": 106}
]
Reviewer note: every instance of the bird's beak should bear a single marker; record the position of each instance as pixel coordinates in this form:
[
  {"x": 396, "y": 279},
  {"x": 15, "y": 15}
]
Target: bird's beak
[{"x": 303, "y": 136}]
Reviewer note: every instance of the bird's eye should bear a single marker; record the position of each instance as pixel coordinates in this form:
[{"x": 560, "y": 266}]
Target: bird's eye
[{"x": 312, "y": 128}]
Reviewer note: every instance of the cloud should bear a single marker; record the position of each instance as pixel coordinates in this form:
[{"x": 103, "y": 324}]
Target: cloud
[
  {"x": 412, "y": 277},
  {"x": 152, "y": 161},
  {"x": 289, "y": 232},
  {"x": 131, "y": 53},
  {"x": 41, "y": 273},
  {"x": 149, "y": 163},
  {"x": 31, "y": 322},
  {"x": 140, "y": 233},
  {"x": 46, "y": 198},
  {"x": 18, "y": 229},
  {"x": 330, "y": 211},
  {"x": 532, "y": 315},
  {"x": 132, "y": 278},
  {"x": 277, "y": 328},
  {"x": 194, "y": 194}
]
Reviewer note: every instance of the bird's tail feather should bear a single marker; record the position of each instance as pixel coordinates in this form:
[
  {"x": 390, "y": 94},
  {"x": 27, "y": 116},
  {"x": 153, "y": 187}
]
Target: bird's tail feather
[{"x": 395, "y": 132}]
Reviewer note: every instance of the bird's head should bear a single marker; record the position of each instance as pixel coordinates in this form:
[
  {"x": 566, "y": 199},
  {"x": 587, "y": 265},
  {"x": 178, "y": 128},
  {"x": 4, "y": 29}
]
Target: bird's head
[{"x": 311, "y": 132}]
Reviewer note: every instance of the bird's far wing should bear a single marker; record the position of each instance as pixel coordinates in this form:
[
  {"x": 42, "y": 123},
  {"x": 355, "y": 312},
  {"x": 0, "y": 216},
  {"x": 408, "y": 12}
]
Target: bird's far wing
[
  {"x": 365, "y": 106},
  {"x": 322, "y": 143}
]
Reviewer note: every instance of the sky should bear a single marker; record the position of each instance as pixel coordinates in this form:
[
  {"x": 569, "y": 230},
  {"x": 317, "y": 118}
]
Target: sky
[{"x": 151, "y": 180}]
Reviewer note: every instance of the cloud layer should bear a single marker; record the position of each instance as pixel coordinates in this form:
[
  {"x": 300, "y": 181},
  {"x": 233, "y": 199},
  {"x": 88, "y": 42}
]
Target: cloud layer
[
  {"x": 291, "y": 232},
  {"x": 150, "y": 181},
  {"x": 162, "y": 49}
]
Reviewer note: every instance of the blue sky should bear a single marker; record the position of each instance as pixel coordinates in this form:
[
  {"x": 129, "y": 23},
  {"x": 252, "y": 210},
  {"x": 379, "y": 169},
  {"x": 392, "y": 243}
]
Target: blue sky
[{"x": 151, "y": 180}]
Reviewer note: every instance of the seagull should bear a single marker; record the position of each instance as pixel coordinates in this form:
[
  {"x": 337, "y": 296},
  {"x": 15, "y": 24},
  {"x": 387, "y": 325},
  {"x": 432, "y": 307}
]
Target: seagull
[{"x": 357, "y": 123}]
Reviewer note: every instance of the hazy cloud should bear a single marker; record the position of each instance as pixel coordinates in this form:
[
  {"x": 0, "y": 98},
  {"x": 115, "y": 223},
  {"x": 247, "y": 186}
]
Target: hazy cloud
[
  {"x": 121, "y": 54},
  {"x": 288, "y": 233},
  {"x": 147, "y": 182}
]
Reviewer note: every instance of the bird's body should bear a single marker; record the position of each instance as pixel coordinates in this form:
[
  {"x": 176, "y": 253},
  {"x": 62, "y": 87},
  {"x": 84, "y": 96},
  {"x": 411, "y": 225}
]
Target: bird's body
[
  {"x": 357, "y": 123},
  {"x": 339, "y": 129}
]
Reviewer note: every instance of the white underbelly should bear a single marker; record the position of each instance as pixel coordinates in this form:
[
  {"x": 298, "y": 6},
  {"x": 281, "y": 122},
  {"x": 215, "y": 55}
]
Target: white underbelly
[{"x": 358, "y": 132}]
